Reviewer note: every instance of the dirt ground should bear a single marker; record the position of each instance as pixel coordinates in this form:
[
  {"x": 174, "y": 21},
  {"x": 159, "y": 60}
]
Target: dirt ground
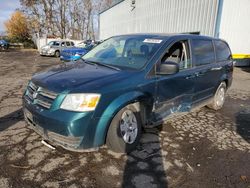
[{"x": 201, "y": 149}]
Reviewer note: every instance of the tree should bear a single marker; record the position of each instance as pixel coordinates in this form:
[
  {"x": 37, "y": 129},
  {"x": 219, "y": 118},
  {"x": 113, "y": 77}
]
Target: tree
[
  {"x": 17, "y": 26},
  {"x": 74, "y": 19}
]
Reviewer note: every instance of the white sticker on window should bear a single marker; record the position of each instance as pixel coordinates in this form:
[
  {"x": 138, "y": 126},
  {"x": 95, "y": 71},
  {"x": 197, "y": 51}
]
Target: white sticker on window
[{"x": 155, "y": 41}]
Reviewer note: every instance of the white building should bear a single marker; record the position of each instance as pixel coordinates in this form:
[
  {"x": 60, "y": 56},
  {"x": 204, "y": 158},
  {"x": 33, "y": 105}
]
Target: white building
[{"x": 226, "y": 19}]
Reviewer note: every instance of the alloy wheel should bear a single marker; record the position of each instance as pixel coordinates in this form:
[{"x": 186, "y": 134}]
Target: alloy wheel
[{"x": 128, "y": 127}]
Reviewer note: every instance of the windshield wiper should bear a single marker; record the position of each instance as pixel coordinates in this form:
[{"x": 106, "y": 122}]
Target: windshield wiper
[
  {"x": 88, "y": 62},
  {"x": 101, "y": 64},
  {"x": 109, "y": 66}
]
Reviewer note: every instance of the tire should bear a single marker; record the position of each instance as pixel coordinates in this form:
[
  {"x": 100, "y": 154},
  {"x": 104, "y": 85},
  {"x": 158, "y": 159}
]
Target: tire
[
  {"x": 219, "y": 97},
  {"x": 57, "y": 54},
  {"x": 117, "y": 140}
]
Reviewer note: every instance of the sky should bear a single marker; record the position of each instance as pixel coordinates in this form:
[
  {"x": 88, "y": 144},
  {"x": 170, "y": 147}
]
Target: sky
[{"x": 7, "y": 7}]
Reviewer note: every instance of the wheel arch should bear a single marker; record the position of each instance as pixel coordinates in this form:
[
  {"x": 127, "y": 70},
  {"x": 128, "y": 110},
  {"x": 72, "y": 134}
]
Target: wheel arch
[
  {"x": 57, "y": 50},
  {"x": 137, "y": 99},
  {"x": 226, "y": 81},
  {"x": 224, "y": 78}
]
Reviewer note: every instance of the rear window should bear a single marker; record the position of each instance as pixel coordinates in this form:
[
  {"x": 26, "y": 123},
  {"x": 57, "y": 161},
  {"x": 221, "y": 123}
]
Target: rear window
[
  {"x": 222, "y": 51},
  {"x": 203, "y": 52}
]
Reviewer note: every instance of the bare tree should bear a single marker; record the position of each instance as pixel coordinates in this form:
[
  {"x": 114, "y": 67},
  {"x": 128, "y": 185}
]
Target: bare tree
[{"x": 64, "y": 18}]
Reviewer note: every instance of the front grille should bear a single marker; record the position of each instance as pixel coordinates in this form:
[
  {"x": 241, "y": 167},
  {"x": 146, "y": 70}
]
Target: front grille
[{"x": 40, "y": 96}]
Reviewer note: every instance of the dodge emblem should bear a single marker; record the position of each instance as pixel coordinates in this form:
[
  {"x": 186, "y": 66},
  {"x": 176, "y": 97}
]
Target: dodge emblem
[{"x": 34, "y": 95}]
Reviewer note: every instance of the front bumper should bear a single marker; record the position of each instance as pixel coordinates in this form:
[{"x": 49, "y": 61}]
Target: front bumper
[
  {"x": 70, "y": 130},
  {"x": 47, "y": 53}
]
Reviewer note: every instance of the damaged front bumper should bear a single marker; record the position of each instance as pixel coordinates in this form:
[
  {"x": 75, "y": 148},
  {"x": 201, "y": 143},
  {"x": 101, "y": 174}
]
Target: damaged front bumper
[
  {"x": 67, "y": 142},
  {"x": 71, "y": 131}
]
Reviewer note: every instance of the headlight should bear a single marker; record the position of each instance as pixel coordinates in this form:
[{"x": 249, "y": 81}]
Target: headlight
[
  {"x": 77, "y": 54},
  {"x": 80, "y": 102}
]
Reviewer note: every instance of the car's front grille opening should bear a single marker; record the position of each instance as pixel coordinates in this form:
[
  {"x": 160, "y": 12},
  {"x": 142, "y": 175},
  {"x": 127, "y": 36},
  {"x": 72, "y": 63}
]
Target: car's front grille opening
[{"x": 40, "y": 96}]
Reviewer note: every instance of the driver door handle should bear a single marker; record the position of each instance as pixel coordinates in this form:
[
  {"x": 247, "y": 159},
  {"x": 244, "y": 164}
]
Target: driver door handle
[
  {"x": 216, "y": 68},
  {"x": 198, "y": 74},
  {"x": 190, "y": 76}
]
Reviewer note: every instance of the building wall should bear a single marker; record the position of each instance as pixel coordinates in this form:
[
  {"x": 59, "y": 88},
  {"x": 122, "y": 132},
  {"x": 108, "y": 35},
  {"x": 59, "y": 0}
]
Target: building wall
[
  {"x": 167, "y": 16},
  {"x": 235, "y": 25}
]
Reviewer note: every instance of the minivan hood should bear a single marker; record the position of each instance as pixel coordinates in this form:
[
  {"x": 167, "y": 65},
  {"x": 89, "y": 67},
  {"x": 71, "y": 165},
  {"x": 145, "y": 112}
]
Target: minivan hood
[{"x": 70, "y": 76}]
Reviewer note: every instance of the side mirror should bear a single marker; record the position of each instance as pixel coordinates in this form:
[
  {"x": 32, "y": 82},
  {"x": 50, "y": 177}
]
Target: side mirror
[{"x": 168, "y": 67}]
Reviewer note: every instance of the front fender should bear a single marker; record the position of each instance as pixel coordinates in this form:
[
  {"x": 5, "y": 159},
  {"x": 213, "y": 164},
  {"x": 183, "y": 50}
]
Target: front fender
[{"x": 108, "y": 114}]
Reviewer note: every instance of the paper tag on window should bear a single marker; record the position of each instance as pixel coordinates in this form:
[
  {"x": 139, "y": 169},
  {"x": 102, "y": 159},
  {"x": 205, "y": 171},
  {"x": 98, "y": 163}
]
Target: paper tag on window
[{"x": 155, "y": 41}]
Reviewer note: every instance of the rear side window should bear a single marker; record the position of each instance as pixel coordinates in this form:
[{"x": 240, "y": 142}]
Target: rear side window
[
  {"x": 68, "y": 43},
  {"x": 222, "y": 51},
  {"x": 203, "y": 52}
]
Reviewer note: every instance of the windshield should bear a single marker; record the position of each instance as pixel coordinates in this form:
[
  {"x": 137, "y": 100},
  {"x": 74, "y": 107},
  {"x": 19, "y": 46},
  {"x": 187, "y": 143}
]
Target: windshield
[
  {"x": 53, "y": 43},
  {"x": 125, "y": 52}
]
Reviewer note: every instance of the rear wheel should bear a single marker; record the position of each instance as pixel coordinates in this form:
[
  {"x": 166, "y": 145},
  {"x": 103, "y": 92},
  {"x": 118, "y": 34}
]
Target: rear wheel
[
  {"x": 125, "y": 130},
  {"x": 219, "y": 97},
  {"x": 57, "y": 54}
]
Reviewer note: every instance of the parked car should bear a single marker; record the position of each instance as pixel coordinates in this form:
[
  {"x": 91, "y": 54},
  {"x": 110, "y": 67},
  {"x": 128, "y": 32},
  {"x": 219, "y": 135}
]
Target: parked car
[
  {"x": 126, "y": 83},
  {"x": 4, "y": 45},
  {"x": 54, "y": 48},
  {"x": 81, "y": 44},
  {"x": 75, "y": 53}
]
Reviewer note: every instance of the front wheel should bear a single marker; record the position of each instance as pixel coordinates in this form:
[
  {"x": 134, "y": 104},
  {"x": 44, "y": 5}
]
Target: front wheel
[
  {"x": 57, "y": 54},
  {"x": 219, "y": 97},
  {"x": 125, "y": 130}
]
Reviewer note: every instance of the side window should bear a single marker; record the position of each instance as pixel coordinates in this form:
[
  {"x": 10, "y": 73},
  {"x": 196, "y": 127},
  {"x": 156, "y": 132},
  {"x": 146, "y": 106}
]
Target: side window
[
  {"x": 179, "y": 53},
  {"x": 72, "y": 44},
  {"x": 63, "y": 44},
  {"x": 203, "y": 52},
  {"x": 222, "y": 51},
  {"x": 68, "y": 43}
]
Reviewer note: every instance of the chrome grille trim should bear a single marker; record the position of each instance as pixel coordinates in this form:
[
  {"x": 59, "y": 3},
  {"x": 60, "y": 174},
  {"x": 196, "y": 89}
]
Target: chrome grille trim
[
  {"x": 43, "y": 103},
  {"x": 33, "y": 86},
  {"x": 47, "y": 93},
  {"x": 40, "y": 96},
  {"x": 27, "y": 98},
  {"x": 30, "y": 96}
]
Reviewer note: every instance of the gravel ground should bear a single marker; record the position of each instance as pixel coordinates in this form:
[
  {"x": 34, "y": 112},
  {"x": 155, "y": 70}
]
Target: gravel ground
[{"x": 201, "y": 149}]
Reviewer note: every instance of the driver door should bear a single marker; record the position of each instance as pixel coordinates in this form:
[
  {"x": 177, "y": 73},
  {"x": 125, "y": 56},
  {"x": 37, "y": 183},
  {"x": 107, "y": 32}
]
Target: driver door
[{"x": 174, "y": 93}]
